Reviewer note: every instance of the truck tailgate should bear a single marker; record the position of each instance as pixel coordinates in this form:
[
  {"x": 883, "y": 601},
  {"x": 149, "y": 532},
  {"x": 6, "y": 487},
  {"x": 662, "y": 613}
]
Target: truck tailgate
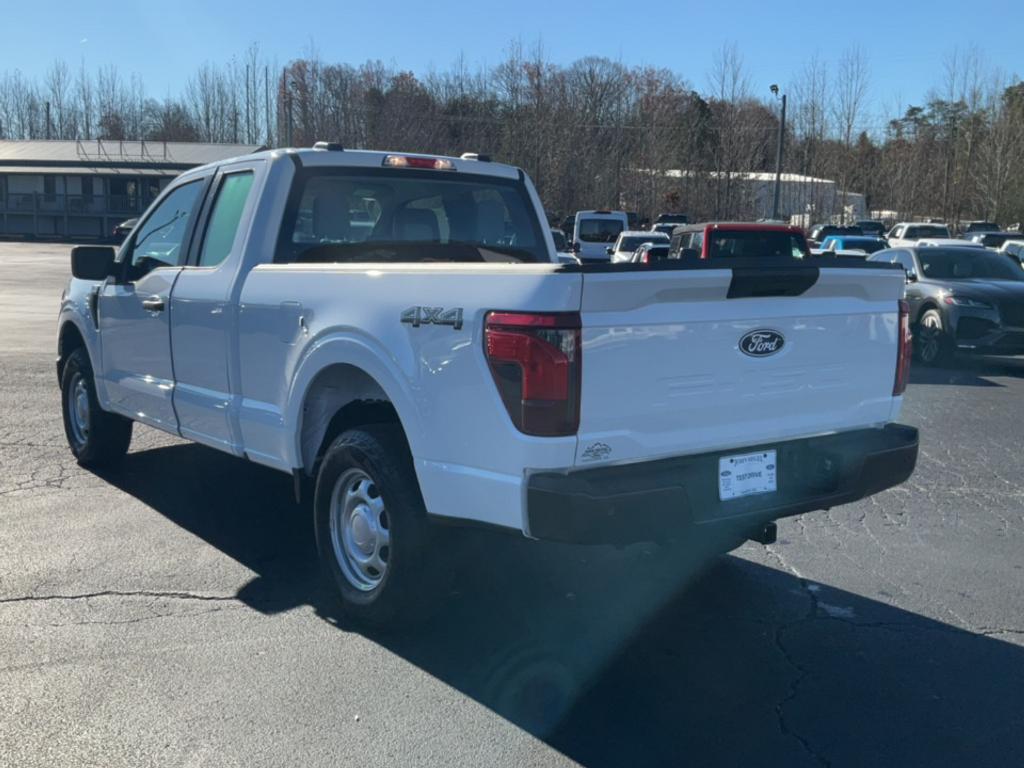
[{"x": 664, "y": 374}]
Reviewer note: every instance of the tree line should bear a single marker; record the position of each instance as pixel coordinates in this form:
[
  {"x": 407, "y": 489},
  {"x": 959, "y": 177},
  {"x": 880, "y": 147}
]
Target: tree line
[{"x": 594, "y": 133}]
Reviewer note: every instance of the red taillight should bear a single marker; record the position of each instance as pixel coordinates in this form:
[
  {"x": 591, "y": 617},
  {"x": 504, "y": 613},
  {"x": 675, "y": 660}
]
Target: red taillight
[
  {"x": 903, "y": 350},
  {"x": 535, "y": 359},
  {"x": 645, "y": 257}
]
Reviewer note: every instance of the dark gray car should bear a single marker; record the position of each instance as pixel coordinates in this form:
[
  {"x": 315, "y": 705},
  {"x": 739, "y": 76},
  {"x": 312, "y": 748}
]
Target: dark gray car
[{"x": 961, "y": 299}]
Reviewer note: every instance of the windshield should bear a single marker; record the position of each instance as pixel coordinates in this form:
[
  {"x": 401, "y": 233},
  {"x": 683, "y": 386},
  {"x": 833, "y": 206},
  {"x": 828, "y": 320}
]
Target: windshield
[
  {"x": 402, "y": 215},
  {"x": 599, "y": 230},
  {"x": 757, "y": 244},
  {"x": 963, "y": 264}
]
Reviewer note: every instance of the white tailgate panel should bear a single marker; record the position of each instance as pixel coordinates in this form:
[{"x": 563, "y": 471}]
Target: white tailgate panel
[{"x": 663, "y": 374}]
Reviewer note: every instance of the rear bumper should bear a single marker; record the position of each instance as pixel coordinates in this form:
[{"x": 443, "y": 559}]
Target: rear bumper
[{"x": 677, "y": 497}]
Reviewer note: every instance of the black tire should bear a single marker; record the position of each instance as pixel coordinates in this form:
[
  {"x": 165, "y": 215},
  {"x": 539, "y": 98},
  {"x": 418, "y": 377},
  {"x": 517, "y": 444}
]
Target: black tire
[
  {"x": 932, "y": 343},
  {"x": 412, "y": 580},
  {"x": 105, "y": 438}
]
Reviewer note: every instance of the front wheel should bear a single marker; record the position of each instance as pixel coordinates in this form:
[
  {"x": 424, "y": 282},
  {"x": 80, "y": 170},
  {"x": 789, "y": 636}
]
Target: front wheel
[
  {"x": 373, "y": 537},
  {"x": 97, "y": 438},
  {"x": 932, "y": 344}
]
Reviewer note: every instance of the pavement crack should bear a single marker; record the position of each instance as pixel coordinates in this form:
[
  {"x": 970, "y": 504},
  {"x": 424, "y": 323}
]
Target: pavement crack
[
  {"x": 801, "y": 672},
  {"x": 170, "y": 595},
  {"x": 989, "y": 631}
]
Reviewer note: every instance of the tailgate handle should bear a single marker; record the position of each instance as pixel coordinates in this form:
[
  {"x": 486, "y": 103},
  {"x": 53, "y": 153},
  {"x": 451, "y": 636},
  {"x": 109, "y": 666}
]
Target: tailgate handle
[{"x": 757, "y": 281}]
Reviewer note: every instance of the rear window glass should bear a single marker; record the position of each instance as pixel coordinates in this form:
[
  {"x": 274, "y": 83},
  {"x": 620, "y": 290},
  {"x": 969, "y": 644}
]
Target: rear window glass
[
  {"x": 994, "y": 241},
  {"x": 632, "y": 243},
  {"x": 920, "y": 233},
  {"x": 965, "y": 263},
  {"x": 409, "y": 216},
  {"x": 867, "y": 245},
  {"x": 754, "y": 244},
  {"x": 599, "y": 230}
]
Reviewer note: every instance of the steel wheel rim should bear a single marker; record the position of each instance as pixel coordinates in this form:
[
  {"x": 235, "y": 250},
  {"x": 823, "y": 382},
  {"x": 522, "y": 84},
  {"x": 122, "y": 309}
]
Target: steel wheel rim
[
  {"x": 78, "y": 410},
  {"x": 930, "y": 336},
  {"x": 360, "y": 530}
]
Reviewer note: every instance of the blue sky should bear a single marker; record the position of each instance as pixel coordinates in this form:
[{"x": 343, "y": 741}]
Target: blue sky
[{"x": 905, "y": 42}]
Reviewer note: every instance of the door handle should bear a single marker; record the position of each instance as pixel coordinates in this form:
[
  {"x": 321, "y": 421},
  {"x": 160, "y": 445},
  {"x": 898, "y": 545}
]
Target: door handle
[{"x": 153, "y": 303}]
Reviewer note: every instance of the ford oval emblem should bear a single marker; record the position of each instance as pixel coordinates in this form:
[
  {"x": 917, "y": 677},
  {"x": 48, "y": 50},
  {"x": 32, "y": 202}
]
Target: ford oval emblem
[{"x": 761, "y": 343}]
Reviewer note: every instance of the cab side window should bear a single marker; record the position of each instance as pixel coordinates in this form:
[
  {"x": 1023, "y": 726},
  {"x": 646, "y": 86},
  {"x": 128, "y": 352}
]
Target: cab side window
[
  {"x": 159, "y": 242},
  {"x": 225, "y": 218}
]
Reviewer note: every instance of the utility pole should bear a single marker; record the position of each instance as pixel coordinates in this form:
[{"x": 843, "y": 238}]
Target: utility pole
[
  {"x": 780, "y": 148},
  {"x": 288, "y": 117},
  {"x": 47, "y": 121}
]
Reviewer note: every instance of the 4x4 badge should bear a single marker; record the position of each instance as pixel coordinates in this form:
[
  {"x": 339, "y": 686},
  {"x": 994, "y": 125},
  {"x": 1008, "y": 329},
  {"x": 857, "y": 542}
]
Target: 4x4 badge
[{"x": 417, "y": 316}]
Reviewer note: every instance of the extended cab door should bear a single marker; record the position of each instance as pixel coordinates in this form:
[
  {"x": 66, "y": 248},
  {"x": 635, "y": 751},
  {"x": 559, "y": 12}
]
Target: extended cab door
[
  {"x": 135, "y": 335},
  {"x": 204, "y": 306}
]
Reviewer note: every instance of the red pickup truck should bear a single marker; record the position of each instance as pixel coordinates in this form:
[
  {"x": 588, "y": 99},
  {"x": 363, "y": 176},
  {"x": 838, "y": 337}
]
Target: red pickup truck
[{"x": 740, "y": 239}]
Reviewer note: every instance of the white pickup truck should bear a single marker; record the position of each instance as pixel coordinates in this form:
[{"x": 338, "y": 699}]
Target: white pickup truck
[{"x": 394, "y": 331}]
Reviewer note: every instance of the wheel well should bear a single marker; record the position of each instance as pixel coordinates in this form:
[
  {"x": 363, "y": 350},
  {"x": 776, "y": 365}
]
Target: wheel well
[
  {"x": 68, "y": 341},
  {"x": 924, "y": 308},
  {"x": 339, "y": 398}
]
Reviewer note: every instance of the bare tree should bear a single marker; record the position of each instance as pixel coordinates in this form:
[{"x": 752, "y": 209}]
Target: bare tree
[
  {"x": 851, "y": 89},
  {"x": 592, "y": 133}
]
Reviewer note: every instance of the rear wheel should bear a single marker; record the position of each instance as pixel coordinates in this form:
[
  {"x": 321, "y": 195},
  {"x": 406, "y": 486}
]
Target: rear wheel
[
  {"x": 372, "y": 533},
  {"x": 932, "y": 344},
  {"x": 97, "y": 438}
]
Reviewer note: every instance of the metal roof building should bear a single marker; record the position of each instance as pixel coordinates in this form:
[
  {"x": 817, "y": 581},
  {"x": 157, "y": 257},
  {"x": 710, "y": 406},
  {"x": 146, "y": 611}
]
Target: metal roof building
[
  {"x": 83, "y": 189},
  {"x": 803, "y": 200}
]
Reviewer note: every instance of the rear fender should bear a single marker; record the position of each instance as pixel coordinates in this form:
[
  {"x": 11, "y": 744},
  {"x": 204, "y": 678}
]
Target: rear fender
[{"x": 371, "y": 360}]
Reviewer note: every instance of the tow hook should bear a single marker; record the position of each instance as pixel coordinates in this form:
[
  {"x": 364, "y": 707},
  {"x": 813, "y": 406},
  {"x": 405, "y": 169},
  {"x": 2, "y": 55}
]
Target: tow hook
[{"x": 766, "y": 535}]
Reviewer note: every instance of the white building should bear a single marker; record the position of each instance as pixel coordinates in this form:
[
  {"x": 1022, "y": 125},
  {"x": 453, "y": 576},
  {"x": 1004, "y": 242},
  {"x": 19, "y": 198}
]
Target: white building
[{"x": 803, "y": 200}]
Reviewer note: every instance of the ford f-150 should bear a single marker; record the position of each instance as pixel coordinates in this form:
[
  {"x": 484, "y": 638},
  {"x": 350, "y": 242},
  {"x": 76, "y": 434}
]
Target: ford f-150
[{"x": 395, "y": 331}]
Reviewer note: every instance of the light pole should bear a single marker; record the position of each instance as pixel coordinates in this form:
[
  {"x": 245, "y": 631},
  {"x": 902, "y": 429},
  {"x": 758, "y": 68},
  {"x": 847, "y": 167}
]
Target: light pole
[{"x": 780, "y": 148}]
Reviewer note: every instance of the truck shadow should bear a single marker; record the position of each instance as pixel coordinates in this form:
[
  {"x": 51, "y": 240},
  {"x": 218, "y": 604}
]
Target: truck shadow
[
  {"x": 967, "y": 371},
  {"x": 644, "y": 656}
]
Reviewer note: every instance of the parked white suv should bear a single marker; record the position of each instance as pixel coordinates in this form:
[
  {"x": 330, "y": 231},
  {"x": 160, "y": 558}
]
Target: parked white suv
[
  {"x": 392, "y": 331},
  {"x": 627, "y": 243}
]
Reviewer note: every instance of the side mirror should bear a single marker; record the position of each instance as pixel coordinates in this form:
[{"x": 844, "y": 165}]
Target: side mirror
[
  {"x": 609, "y": 250},
  {"x": 911, "y": 277},
  {"x": 92, "y": 262}
]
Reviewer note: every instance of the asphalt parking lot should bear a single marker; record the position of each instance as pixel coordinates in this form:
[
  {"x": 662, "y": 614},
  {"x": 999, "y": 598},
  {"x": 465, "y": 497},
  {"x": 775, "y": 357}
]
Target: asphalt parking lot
[{"x": 169, "y": 613}]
